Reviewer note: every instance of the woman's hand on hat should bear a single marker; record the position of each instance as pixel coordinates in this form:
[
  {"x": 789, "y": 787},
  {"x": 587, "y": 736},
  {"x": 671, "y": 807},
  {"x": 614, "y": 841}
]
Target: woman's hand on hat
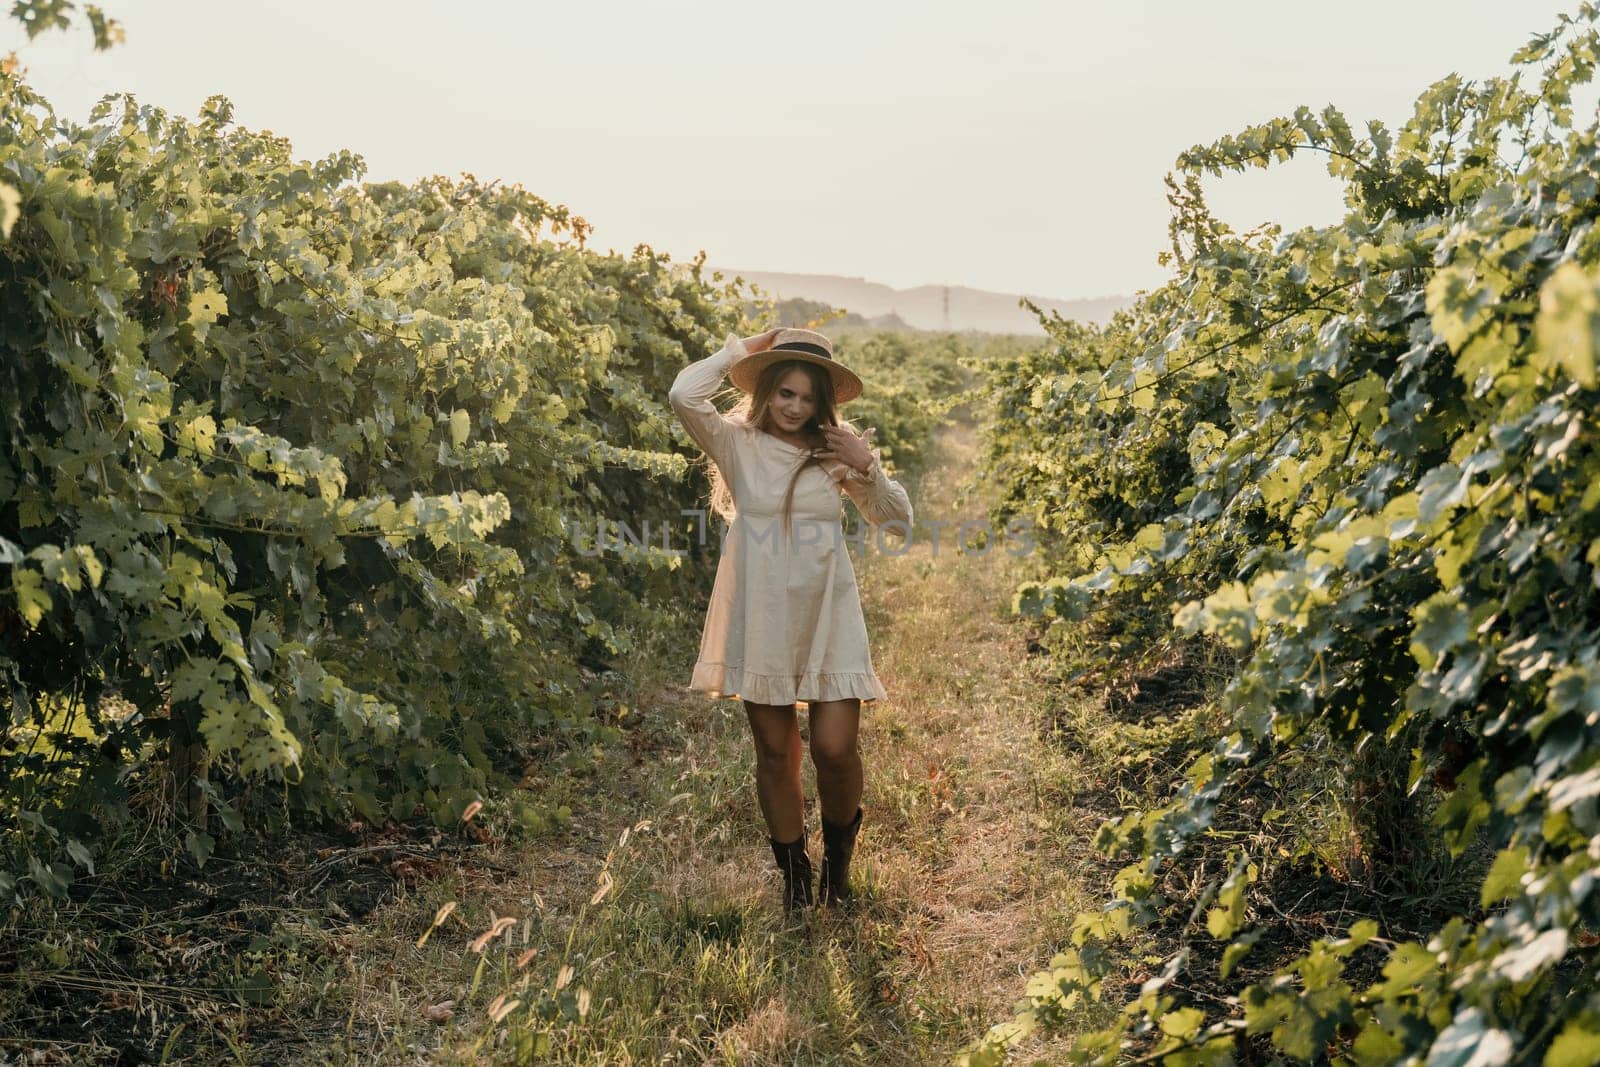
[
  {"x": 760, "y": 342},
  {"x": 848, "y": 447}
]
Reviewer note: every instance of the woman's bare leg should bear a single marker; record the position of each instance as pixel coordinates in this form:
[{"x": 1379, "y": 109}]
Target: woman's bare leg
[
  {"x": 776, "y": 731},
  {"x": 835, "y": 727}
]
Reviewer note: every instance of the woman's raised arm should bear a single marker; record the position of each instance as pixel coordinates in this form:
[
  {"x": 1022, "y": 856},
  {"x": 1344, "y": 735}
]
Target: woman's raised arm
[{"x": 690, "y": 398}]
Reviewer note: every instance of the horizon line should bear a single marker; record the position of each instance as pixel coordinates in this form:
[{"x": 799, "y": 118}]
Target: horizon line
[{"x": 926, "y": 285}]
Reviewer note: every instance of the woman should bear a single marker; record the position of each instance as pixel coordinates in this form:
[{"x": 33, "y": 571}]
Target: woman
[{"x": 785, "y": 623}]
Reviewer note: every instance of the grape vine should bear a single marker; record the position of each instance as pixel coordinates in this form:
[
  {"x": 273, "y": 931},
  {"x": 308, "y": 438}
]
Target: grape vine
[{"x": 1362, "y": 458}]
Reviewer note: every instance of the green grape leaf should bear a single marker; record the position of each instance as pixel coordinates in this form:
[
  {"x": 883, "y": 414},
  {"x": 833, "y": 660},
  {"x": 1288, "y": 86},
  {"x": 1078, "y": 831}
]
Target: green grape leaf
[
  {"x": 207, "y": 306},
  {"x": 1576, "y": 1046},
  {"x": 1441, "y": 625},
  {"x": 1505, "y": 875},
  {"x": 200, "y": 846},
  {"x": 1237, "y": 951},
  {"x": 1182, "y": 1023},
  {"x": 32, "y": 600},
  {"x": 1568, "y": 326}
]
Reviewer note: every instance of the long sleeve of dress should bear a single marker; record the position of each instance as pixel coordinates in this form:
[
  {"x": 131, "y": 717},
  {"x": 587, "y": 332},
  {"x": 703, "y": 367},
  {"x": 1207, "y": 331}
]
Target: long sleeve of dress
[
  {"x": 879, "y": 496},
  {"x": 690, "y": 397}
]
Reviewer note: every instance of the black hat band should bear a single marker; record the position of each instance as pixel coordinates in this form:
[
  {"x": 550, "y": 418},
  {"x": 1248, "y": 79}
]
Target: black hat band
[{"x": 801, "y": 346}]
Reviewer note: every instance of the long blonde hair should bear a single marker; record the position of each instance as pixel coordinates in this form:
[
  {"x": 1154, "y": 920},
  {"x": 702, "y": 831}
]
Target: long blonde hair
[{"x": 752, "y": 410}]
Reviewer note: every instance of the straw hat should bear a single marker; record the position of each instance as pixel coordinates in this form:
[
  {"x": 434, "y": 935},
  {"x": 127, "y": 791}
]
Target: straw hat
[{"x": 807, "y": 345}]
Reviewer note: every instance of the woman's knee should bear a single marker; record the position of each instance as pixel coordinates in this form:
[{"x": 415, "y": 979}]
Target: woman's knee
[
  {"x": 831, "y": 753},
  {"x": 834, "y": 728},
  {"x": 775, "y": 754},
  {"x": 775, "y": 734}
]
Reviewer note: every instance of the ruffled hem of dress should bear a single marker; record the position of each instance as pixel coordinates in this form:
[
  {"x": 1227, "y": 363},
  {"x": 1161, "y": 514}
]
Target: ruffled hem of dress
[{"x": 735, "y": 683}]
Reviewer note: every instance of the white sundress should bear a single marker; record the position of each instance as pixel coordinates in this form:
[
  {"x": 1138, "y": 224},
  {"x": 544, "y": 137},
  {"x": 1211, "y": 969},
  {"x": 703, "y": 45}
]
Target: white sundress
[{"x": 785, "y": 623}]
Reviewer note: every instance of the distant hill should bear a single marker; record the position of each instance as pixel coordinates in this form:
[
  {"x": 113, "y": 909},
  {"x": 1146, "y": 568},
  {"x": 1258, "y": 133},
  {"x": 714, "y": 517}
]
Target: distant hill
[
  {"x": 798, "y": 311},
  {"x": 924, "y": 306}
]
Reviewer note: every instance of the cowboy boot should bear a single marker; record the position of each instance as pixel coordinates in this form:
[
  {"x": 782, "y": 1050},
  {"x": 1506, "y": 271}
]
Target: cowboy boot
[
  {"x": 838, "y": 842},
  {"x": 797, "y": 872}
]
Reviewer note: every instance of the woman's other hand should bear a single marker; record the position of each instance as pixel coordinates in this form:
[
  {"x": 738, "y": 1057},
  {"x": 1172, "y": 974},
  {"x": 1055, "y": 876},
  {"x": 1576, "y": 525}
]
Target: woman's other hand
[
  {"x": 760, "y": 342},
  {"x": 848, "y": 447}
]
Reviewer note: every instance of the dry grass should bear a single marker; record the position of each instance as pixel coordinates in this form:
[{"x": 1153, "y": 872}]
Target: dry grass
[
  {"x": 964, "y": 871},
  {"x": 985, "y": 898}
]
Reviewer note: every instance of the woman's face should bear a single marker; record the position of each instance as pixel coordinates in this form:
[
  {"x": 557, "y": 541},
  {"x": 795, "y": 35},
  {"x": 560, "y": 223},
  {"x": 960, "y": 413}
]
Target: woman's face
[{"x": 793, "y": 401}]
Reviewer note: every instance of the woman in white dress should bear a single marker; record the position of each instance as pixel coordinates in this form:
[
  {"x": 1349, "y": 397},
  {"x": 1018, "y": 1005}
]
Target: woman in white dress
[{"x": 785, "y": 624}]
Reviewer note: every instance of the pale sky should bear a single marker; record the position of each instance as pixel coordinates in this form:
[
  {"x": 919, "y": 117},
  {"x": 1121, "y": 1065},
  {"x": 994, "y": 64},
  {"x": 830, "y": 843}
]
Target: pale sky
[{"x": 1008, "y": 145}]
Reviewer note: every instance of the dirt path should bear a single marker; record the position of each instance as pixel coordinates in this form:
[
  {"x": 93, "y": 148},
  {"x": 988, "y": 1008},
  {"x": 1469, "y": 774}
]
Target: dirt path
[{"x": 653, "y": 925}]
